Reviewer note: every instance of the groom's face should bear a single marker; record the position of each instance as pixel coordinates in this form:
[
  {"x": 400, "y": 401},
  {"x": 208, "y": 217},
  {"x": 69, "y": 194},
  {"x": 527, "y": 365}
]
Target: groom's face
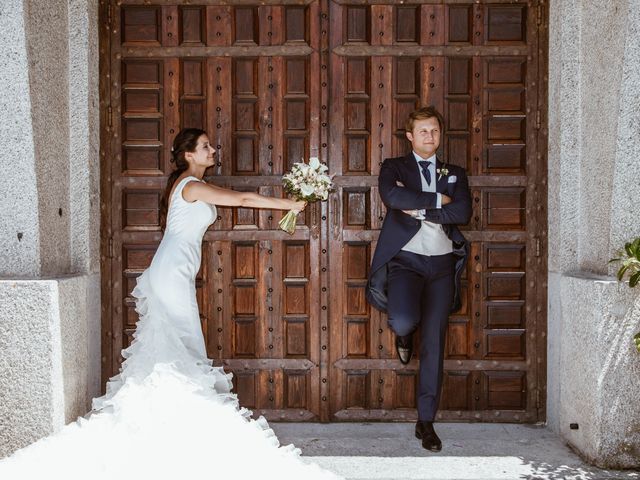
[{"x": 425, "y": 137}]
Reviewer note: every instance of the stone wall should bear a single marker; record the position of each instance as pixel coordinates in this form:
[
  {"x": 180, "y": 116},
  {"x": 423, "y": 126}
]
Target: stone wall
[
  {"x": 47, "y": 35},
  {"x": 19, "y": 230},
  {"x": 594, "y": 146},
  {"x": 49, "y": 211},
  {"x": 84, "y": 136}
]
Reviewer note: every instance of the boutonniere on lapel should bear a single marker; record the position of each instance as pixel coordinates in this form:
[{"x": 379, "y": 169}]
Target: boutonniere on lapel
[{"x": 442, "y": 171}]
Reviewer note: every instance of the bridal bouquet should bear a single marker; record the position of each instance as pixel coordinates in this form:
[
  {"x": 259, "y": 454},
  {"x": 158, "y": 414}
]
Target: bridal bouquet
[{"x": 307, "y": 182}]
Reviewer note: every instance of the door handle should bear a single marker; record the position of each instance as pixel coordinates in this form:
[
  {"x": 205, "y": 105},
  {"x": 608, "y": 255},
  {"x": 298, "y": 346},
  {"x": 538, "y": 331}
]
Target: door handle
[
  {"x": 315, "y": 213},
  {"x": 335, "y": 211}
]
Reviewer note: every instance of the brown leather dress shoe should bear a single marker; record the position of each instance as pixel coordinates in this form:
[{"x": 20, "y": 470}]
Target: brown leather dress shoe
[
  {"x": 426, "y": 433},
  {"x": 404, "y": 348}
]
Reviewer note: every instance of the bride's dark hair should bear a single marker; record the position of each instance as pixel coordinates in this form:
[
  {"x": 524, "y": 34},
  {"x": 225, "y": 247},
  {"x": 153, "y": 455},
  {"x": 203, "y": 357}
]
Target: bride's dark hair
[{"x": 185, "y": 141}]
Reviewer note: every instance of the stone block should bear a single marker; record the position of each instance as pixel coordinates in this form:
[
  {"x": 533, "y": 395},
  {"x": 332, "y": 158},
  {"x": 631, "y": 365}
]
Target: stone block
[
  {"x": 49, "y": 355},
  {"x": 594, "y": 368}
]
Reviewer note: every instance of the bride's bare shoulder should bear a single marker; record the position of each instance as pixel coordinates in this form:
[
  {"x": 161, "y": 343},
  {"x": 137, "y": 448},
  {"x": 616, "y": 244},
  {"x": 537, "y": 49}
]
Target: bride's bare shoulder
[{"x": 196, "y": 190}]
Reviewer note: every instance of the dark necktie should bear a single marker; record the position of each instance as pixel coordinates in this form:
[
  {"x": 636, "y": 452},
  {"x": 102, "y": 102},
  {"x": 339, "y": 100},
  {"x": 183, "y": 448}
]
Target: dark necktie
[{"x": 424, "y": 166}]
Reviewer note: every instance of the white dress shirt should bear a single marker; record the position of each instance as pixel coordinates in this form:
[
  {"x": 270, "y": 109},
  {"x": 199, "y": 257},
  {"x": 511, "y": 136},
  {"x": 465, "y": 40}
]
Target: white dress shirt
[{"x": 430, "y": 239}]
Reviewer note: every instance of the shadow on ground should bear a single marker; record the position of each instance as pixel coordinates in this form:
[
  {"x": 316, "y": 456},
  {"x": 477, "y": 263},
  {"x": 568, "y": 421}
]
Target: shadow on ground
[{"x": 367, "y": 451}]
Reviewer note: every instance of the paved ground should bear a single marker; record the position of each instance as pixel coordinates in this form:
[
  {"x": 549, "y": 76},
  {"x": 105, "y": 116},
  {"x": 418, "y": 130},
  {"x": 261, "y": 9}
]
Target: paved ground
[{"x": 476, "y": 451}]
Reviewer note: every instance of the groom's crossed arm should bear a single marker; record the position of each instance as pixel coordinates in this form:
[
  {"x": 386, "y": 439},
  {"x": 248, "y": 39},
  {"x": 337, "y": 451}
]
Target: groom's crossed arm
[
  {"x": 457, "y": 212},
  {"x": 399, "y": 197},
  {"x": 396, "y": 196}
]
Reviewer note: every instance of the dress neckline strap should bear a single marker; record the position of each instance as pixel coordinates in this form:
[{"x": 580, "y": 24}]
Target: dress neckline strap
[
  {"x": 190, "y": 176},
  {"x": 183, "y": 182}
]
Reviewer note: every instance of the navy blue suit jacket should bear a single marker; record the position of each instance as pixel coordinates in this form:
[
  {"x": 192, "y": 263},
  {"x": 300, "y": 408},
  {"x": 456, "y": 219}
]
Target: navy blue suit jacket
[{"x": 398, "y": 227}]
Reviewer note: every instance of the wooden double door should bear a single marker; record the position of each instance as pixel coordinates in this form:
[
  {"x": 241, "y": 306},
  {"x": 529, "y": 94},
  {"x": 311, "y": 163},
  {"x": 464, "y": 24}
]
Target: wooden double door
[{"x": 281, "y": 81}]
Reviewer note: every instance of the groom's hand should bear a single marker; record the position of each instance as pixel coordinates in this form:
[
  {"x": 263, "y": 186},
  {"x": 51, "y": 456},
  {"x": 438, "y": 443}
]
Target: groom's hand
[{"x": 413, "y": 213}]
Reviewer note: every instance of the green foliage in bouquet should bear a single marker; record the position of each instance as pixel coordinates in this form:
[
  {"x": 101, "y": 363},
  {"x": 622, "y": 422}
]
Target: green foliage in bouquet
[{"x": 629, "y": 258}]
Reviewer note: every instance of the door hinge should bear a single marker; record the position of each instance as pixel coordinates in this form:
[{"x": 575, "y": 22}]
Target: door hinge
[
  {"x": 110, "y": 115},
  {"x": 539, "y": 19},
  {"x": 109, "y": 17},
  {"x": 537, "y": 398},
  {"x": 538, "y": 120},
  {"x": 538, "y": 247},
  {"x": 110, "y": 247}
]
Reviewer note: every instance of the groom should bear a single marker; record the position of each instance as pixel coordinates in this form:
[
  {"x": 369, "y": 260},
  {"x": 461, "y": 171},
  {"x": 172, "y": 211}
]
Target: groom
[{"x": 416, "y": 268}]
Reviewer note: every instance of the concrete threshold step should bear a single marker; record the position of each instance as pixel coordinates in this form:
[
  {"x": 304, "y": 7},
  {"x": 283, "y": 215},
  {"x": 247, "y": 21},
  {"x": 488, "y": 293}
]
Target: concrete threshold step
[{"x": 471, "y": 451}]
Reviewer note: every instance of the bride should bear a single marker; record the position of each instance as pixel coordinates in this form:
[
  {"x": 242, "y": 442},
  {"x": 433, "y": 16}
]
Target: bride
[{"x": 169, "y": 413}]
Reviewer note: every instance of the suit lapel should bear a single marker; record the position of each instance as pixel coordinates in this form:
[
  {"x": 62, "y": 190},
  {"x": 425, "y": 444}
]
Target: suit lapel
[
  {"x": 442, "y": 180},
  {"x": 412, "y": 169}
]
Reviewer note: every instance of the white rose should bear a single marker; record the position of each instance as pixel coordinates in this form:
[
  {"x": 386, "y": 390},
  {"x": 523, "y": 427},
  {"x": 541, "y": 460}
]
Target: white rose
[
  {"x": 314, "y": 162},
  {"x": 306, "y": 190}
]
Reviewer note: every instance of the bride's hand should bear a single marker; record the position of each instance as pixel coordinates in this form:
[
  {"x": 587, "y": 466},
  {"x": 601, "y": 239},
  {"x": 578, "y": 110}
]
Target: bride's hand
[{"x": 298, "y": 205}]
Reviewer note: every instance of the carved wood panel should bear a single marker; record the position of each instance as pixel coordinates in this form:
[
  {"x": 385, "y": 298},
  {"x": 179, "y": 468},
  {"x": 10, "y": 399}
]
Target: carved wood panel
[
  {"x": 478, "y": 64},
  {"x": 280, "y": 81},
  {"x": 244, "y": 74}
]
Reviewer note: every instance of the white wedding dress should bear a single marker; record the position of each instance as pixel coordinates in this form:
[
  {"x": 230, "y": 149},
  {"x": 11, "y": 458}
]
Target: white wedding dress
[{"x": 169, "y": 413}]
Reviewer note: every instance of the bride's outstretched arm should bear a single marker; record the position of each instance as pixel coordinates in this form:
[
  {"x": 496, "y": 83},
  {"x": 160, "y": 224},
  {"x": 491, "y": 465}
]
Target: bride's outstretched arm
[{"x": 230, "y": 198}]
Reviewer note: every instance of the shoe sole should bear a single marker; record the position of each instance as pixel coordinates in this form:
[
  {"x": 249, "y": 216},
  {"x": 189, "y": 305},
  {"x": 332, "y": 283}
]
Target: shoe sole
[{"x": 434, "y": 449}]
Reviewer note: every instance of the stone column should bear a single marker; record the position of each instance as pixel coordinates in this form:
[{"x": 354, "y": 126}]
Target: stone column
[
  {"x": 19, "y": 231},
  {"x": 49, "y": 210},
  {"x": 594, "y": 178}
]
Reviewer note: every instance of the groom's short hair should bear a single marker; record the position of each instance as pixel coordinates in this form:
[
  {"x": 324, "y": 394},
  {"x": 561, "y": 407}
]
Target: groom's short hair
[{"x": 422, "y": 114}]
